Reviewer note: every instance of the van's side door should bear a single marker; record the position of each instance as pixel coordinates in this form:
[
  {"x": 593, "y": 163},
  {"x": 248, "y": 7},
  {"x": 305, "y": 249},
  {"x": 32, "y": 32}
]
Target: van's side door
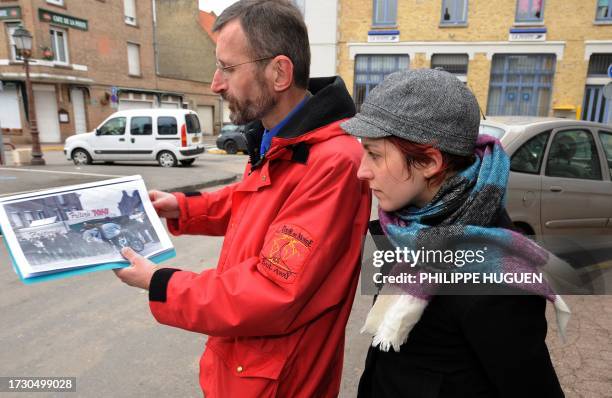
[
  {"x": 141, "y": 139},
  {"x": 166, "y": 132},
  {"x": 110, "y": 142}
]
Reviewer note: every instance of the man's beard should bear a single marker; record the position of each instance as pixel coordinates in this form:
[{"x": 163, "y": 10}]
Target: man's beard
[{"x": 246, "y": 111}]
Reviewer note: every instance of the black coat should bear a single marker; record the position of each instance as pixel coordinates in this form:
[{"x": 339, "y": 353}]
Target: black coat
[{"x": 468, "y": 346}]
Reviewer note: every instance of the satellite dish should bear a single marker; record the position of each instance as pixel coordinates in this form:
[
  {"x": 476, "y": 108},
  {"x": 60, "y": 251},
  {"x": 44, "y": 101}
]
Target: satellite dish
[{"x": 607, "y": 91}]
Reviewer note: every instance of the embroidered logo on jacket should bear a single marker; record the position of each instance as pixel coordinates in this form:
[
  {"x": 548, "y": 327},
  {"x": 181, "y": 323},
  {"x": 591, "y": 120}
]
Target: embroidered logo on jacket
[{"x": 284, "y": 255}]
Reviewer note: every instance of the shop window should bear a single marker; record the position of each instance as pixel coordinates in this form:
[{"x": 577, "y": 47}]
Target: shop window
[
  {"x": 385, "y": 13},
  {"x": 370, "y": 70},
  {"x": 529, "y": 10},
  {"x": 129, "y": 12},
  {"x": 521, "y": 85},
  {"x": 453, "y": 63},
  {"x": 454, "y": 12},
  {"x": 604, "y": 10},
  {"x": 141, "y": 125},
  {"x": 59, "y": 44},
  {"x": 133, "y": 59},
  {"x": 598, "y": 65}
]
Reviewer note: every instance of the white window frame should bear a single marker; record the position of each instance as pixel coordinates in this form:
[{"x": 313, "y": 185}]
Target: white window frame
[
  {"x": 130, "y": 65},
  {"x": 10, "y": 28},
  {"x": 53, "y": 32},
  {"x": 56, "y": 2},
  {"x": 129, "y": 19}
]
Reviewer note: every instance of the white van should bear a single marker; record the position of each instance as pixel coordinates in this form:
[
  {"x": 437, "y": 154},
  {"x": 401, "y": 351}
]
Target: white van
[{"x": 166, "y": 135}]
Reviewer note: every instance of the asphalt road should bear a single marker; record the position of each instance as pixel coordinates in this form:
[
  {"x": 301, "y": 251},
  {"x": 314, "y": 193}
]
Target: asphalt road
[{"x": 100, "y": 331}]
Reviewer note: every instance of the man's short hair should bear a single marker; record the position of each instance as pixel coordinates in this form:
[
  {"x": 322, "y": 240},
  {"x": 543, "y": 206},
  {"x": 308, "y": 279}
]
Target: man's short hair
[{"x": 272, "y": 27}]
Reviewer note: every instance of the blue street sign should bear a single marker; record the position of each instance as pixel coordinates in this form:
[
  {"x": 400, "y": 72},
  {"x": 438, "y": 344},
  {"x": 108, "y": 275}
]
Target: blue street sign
[
  {"x": 610, "y": 71},
  {"x": 113, "y": 90}
]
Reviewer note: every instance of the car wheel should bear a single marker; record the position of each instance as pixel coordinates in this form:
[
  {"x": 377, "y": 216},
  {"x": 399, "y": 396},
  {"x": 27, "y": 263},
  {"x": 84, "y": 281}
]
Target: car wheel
[
  {"x": 80, "y": 157},
  {"x": 166, "y": 159},
  {"x": 187, "y": 162},
  {"x": 231, "y": 147}
]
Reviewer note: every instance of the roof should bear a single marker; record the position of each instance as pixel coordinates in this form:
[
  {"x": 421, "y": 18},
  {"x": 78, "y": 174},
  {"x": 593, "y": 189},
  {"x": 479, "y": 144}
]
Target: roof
[{"x": 207, "y": 20}]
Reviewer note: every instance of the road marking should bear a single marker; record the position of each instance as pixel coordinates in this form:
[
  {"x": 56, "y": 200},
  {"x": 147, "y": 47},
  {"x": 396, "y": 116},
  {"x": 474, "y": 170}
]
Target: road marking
[{"x": 64, "y": 172}]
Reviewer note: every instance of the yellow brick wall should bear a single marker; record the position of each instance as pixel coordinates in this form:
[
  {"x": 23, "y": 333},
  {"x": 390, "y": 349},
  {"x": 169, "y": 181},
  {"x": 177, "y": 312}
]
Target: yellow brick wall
[{"x": 571, "y": 22}]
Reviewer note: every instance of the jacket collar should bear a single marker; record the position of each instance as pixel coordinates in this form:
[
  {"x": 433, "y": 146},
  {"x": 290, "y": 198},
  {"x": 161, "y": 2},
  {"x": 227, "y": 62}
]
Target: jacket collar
[{"x": 330, "y": 102}]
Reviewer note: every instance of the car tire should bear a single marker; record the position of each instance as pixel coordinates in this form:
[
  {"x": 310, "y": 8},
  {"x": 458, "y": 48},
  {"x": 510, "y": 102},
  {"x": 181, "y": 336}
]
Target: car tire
[
  {"x": 166, "y": 159},
  {"x": 231, "y": 147},
  {"x": 187, "y": 162},
  {"x": 80, "y": 157}
]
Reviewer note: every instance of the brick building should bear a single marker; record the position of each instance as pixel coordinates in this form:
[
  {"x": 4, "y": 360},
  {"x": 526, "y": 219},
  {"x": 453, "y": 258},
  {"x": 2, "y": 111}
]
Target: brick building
[
  {"x": 93, "y": 57},
  {"x": 521, "y": 57}
]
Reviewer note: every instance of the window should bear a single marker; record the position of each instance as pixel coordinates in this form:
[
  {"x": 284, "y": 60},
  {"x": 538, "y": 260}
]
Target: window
[
  {"x": 10, "y": 29},
  {"x": 29, "y": 217},
  {"x": 193, "y": 124},
  {"x": 115, "y": 126},
  {"x": 166, "y": 125},
  {"x": 606, "y": 142},
  {"x": 454, "y": 12},
  {"x": 529, "y": 10},
  {"x": 133, "y": 59},
  {"x": 573, "y": 154},
  {"x": 604, "y": 10},
  {"x": 385, "y": 13},
  {"x": 528, "y": 158},
  {"x": 372, "y": 69},
  {"x": 129, "y": 12},
  {"x": 598, "y": 64},
  {"x": 59, "y": 44},
  {"x": 56, "y": 2},
  {"x": 521, "y": 85},
  {"x": 16, "y": 220},
  {"x": 452, "y": 63},
  {"x": 41, "y": 215},
  {"x": 142, "y": 125},
  {"x": 595, "y": 107}
]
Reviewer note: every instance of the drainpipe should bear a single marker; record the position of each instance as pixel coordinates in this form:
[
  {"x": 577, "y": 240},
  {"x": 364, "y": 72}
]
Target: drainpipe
[{"x": 155, "y": 49}]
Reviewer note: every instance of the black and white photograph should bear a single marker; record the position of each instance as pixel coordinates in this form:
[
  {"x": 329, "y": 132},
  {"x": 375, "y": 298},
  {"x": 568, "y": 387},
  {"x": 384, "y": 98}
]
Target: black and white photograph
[{"x": 79, "y": 227}]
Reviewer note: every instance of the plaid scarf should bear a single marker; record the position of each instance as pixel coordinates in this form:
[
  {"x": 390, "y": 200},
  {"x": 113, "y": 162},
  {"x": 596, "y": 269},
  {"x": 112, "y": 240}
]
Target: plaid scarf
[{"x": 462, "y": 214}]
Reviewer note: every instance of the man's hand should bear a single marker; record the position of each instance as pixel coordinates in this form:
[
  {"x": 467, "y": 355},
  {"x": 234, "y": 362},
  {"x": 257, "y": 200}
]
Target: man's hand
[
  {"x": 164, "y": 203},
  {"x": 140, "y": 272}
]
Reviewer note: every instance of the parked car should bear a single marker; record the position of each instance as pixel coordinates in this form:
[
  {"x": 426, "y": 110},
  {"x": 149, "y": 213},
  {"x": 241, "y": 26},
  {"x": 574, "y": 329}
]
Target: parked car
[
  {"x": 560, "y": 174},
  {"x": 169, "y": 136},
  {"x": 232, "y": 139}
]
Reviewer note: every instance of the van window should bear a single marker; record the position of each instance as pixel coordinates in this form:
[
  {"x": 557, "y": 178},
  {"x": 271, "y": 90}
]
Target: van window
[
  {"x": 193, "y": 124},
  {"x": 115, "y": 126},
  {"x": 141, "y": 125},
  {"x": 166, "y": 125}
]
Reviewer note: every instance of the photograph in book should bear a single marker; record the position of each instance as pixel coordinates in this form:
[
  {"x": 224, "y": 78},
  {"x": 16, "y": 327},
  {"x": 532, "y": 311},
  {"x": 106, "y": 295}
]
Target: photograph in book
[{"x": 81, "y": 226}]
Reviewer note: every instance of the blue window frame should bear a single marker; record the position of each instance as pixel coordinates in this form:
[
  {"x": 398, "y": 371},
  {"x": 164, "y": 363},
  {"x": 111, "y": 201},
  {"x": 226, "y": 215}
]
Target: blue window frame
[
  {"x": 604, "y": 10},
  {"x": 521, "y": 85},
  {"x": 529, "y": 10},
  {"x": 370, "y": 70},
  {"x": 595, "y": 107},
  {"x": 454, "y": 12},
  {"x": 384, "y": 13}
]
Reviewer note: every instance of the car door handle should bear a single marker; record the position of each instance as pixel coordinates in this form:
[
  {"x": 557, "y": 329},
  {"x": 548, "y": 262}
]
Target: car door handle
[
  {"x": 121, "y": 139},
  {"x": 133, "y": 140},
  {"x": 556, "y": 188}
]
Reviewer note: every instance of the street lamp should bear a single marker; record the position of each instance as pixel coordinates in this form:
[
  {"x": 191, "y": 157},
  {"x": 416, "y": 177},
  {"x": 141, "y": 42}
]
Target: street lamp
[{"x": 23, "y": 41}]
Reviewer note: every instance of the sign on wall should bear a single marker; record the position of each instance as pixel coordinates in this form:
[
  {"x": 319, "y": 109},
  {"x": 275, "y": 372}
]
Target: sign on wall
[
  {"x": 10, "y": 13},
  {"x": 61, "y": 19}
]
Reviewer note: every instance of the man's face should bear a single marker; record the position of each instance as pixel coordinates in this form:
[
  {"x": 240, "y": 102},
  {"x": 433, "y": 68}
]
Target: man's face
[{"x": 245, "y": 87}]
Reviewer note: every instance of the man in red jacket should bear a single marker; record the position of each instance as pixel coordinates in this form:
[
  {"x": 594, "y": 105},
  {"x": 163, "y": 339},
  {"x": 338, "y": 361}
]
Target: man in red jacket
[{"x": 276, "y": 306}]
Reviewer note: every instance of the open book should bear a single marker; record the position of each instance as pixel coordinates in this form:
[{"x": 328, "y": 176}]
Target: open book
[{"x": 82, "y": 228}]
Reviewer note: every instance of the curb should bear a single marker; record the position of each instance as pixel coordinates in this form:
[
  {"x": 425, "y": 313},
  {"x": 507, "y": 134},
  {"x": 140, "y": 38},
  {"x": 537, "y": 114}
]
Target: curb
[{"x": 207, "y": 184}]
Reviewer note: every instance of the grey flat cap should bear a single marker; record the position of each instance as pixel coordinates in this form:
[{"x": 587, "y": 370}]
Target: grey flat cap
[{"x": 424, "y": 106}]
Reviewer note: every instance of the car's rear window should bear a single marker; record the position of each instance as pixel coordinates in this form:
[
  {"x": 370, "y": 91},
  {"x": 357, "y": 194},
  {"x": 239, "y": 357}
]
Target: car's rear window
[
  {"x": 166, "y": 125},
  {"x": 193, "y": 124},
  {"x": 496, "y": 132}
]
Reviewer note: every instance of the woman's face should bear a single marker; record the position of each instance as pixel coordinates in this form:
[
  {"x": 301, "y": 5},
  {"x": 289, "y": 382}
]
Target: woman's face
[{"x": 384, "y": 167}]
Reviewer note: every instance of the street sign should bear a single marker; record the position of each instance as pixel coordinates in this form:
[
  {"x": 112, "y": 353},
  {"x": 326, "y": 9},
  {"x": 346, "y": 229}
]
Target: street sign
[
  {"x": 610, "y": 71},
  {"x": 607, "y": 91}
]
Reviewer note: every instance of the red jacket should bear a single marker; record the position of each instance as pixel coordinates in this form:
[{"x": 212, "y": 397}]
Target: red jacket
[{"x": 276, "y": 306}]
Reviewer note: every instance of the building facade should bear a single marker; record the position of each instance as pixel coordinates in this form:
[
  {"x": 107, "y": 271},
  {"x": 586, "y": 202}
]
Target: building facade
[
  {"x": 519, "y": 57},
  {"x": 91, "y": 58}
]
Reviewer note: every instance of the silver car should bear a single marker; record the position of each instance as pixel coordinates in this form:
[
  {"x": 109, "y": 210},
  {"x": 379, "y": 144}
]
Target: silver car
[{"x": 560, "y": 174}]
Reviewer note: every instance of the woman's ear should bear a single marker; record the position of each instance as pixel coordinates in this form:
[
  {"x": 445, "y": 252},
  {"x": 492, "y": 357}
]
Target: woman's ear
[{"x": 435, "y": 162}]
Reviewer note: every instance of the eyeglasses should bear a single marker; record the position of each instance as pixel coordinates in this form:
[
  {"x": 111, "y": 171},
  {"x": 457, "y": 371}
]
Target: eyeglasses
[{"x": 226, "y": 69}]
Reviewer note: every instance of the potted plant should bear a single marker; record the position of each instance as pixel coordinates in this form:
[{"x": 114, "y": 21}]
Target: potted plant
[{"x": 47, "y": 54}]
